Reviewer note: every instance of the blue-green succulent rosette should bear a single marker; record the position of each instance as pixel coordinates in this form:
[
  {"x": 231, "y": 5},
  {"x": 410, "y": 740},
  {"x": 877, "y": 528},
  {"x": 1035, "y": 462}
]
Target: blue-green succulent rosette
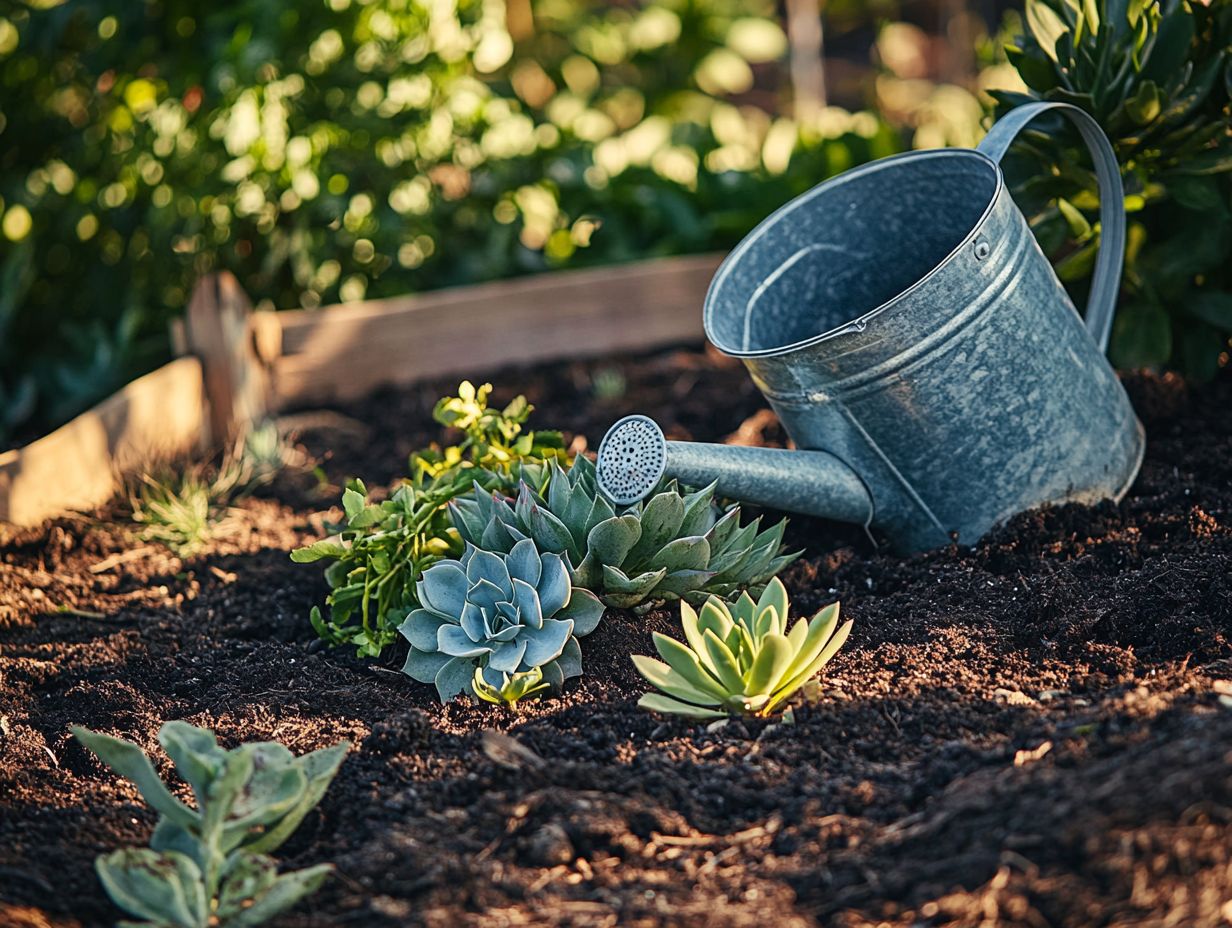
[{"x": 501, "y": 613}]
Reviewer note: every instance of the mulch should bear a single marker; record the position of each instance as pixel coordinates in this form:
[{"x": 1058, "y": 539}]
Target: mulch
[{"x": 1032, "y": 731}]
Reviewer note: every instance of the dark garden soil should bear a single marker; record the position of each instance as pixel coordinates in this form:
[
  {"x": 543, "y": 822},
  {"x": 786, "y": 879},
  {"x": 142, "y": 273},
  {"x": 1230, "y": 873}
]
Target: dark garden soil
[{"x": 1035, "y": 731}]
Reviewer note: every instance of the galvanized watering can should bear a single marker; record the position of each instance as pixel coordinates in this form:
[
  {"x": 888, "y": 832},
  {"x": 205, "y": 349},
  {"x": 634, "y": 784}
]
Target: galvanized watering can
[{"x": 919, "y": 350}]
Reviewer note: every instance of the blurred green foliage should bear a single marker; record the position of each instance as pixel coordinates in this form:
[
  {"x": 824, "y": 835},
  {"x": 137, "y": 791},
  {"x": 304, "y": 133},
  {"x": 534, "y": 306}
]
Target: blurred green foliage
[
  {"x": 1158, "y": 77},
  {"x": 340, "y": 149}
]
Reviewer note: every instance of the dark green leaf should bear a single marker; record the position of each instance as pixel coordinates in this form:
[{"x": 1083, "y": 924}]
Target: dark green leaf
[
  {"x": 1170, "y": 48},
  {"x": 1141, "y": 336},
  {"x": 1214, "y": 308}
]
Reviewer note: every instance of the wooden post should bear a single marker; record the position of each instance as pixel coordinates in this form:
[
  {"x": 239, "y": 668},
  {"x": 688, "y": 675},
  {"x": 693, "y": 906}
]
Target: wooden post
[
  {"x": 220, "y": 332},
  {"x": 806, "y": 58}
]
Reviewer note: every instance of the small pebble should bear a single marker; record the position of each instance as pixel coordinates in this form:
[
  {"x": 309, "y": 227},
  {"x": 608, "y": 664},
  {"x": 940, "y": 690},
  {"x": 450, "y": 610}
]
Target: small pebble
[{"x": 550, "y": 846}]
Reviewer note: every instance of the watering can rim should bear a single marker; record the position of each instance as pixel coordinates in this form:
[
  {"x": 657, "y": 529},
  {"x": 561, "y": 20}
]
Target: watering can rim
[{"x": 857, "y": 323}]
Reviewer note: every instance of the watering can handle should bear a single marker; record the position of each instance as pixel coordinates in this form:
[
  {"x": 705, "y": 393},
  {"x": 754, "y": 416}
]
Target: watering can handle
[{"x": 1106, "y": 281}]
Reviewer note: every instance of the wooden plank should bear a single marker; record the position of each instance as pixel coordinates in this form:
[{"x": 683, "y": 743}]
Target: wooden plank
[
  {"x": 219, "y": 331},
  {"x": 342, "y": 352},
  {"x": 78, "y": 466}
]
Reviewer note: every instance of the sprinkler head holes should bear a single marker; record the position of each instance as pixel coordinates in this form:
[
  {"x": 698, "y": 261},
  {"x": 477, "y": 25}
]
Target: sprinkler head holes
[{"x": 632, "y": 457}]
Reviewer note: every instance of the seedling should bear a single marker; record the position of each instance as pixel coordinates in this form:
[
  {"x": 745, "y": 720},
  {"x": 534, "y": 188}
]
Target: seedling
[
  {"x": 513, "y": 688},
  {"x": 209, "y": 866},
  {"x": 184, "y": 510},
  {"x": 178, "y": 512}
]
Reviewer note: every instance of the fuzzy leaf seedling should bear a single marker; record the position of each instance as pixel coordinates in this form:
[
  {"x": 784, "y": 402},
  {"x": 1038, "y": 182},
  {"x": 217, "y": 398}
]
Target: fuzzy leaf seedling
[{"x": 208, "y": 866}]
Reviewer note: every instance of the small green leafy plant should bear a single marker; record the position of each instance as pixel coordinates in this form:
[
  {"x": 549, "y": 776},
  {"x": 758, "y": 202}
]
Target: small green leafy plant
[
  {"x": 1158, "y": 78},
  {"x": 489, "y": 616},
  {"x": 176, "y": 511},
  {"x": 382, "y": 549},
  {"x": 183, "y": 510},
  {"x": 740, "y": 660},
  {"x": 675, "y": 545},
  {"x": 209, "y": 866},
  {"x": 512, "y": 689}
]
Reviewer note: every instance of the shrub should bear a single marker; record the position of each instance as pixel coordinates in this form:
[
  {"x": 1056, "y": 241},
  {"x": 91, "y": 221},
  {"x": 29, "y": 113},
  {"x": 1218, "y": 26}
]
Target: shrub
[
  {"x": 1158, "y": 78},
  {"x": 327, "y": 151}
]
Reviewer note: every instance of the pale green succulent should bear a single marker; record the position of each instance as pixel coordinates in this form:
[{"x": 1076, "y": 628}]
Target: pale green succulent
[
  {"x": 208, "y": 867},
  {"x": 740, "y": 660},
  {"x": 513, "y": 687},
  {"x": 498, "y": 614},
  {"x": 671, "y": 547}
]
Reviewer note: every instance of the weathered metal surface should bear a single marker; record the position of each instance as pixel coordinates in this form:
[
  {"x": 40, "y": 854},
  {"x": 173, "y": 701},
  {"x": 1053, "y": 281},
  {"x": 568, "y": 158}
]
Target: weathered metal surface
[{"x": 902, "y": 319}]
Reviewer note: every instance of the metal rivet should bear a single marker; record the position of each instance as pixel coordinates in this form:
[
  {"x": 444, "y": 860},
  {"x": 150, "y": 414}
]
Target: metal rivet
[{"x": 982, "y": 249}]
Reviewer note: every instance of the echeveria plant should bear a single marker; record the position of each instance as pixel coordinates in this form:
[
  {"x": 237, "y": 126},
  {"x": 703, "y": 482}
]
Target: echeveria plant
[
  {"x": 208, "y": 867},
  {"x": 740, "y": 660},
  {"x": 674, "y": 546},
  {"x": 500, "y": 614}
]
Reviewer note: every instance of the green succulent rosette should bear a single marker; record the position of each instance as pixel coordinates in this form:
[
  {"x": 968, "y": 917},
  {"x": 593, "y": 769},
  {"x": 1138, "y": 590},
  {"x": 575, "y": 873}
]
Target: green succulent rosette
[{"x": 501, "y": 614}]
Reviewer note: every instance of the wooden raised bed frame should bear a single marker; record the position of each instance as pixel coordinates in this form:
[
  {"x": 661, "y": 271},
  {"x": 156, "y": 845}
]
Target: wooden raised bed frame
[{"x": 238, "y": 366}]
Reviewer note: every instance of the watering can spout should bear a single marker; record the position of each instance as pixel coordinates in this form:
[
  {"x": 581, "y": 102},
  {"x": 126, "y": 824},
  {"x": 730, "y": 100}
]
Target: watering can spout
[{"x": 634, "y": 456}]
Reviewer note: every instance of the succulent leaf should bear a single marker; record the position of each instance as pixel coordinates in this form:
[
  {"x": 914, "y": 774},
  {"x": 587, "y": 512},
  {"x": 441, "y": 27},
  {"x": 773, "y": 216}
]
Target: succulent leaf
[
  {"x": 443, "y": 591},
  {"x": 720, "y": 660},
  {"x": 612, "y": 540},
  {"x": 774, "y": 597},
  {"x": 770, "y": 664},
  {"x": 570, "y": 661},
  {"x": 798, "y": 680},
  {"x": 716, "y": 617},
  {"x": 680, "y": 583},
  {"x": 637, "y": 587},
  {"x": 245, "y": 878},
  {"x": 657, "y": 702},
  {"x": 163, "y": 888},
  {"x": 660, "y": 522},
  {"x": 669, "y": 681},
  {"x": 195, "y": 752},
  {"x": 454, "y": 678},
  {"x": 688, "y": 664},
  {"x": 585, "y": 609},
  {"x": 699, "y": 512},
  {"x": 684, "y": 554},
  {"x": 689, "y": 622},
  {"x": 319, "y": 769},
  {"x": 129, "y": 761}
]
